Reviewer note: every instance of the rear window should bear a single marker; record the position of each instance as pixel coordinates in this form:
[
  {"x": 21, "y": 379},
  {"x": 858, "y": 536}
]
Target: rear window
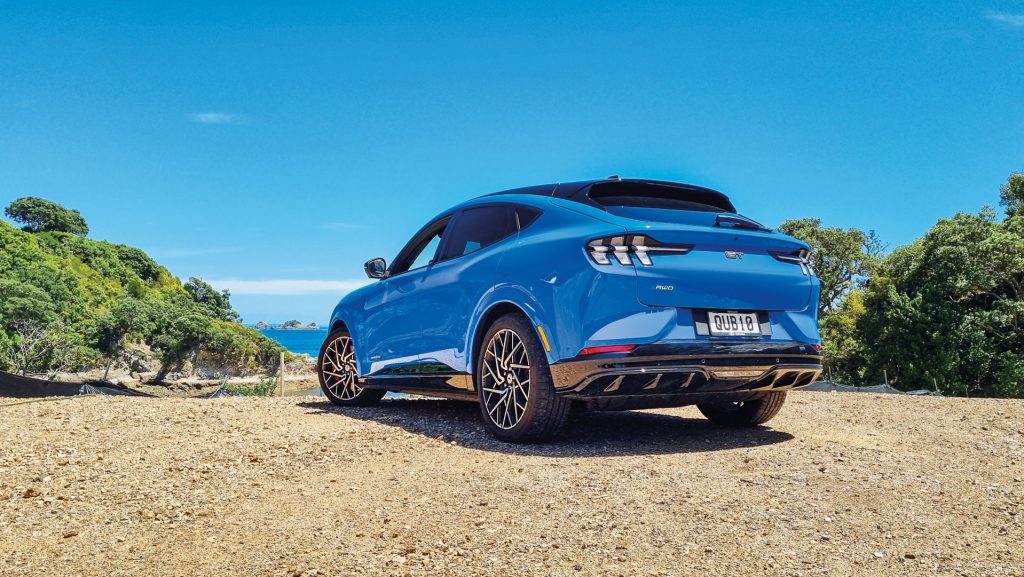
[{"x": 645, "y": 195}]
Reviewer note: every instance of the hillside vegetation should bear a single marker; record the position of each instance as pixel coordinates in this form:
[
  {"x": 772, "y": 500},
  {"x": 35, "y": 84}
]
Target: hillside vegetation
[
  {"x": 71, "y": 303},
  {"x": 945, "y": 312}
]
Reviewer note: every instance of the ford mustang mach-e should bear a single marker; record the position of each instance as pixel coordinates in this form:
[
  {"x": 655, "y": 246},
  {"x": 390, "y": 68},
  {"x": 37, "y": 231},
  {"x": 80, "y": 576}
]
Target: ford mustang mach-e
[{"x": 607, "y": 295}]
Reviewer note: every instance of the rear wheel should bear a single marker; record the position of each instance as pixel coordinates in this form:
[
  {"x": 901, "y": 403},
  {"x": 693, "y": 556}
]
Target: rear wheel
[
  {"x": 744, "y": 413},
  {"x": 339, "y": 379},
  {"x": 516, "y": 393}
]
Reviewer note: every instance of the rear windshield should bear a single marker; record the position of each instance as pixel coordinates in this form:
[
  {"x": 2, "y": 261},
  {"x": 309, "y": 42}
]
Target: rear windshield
[{"x": 645, "y": 195}]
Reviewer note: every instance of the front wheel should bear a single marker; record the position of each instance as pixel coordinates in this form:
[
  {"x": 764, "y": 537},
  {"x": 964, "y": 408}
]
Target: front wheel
[
  {"x": 339, "y": 379},
  {"x": 516, "y": 393},
  {"x": 748, "y": 413}
]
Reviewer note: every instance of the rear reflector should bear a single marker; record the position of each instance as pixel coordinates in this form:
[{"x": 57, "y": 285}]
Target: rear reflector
[
  {"x": 817, "y": 348},
  {"x": 607, "y": 349}
]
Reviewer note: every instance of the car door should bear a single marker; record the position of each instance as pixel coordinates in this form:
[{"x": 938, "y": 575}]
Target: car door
[
  {"x": 392, "y": 327},
  {"x": 465, "y": 270}
]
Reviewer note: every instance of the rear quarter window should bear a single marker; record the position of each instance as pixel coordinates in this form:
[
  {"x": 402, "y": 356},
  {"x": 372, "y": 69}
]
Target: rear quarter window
[{"x": 526, "y": 216}]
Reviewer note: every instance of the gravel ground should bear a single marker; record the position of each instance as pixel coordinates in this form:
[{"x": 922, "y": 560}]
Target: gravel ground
[{"x": 839, "y": 484}]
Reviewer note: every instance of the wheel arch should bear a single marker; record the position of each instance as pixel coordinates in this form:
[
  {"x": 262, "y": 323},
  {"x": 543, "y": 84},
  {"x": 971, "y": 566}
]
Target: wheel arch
[{"x": 493, "y": 312}]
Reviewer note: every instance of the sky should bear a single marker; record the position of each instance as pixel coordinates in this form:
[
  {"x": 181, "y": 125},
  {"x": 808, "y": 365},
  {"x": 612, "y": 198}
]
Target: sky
[{"x": 272, "y": 149}]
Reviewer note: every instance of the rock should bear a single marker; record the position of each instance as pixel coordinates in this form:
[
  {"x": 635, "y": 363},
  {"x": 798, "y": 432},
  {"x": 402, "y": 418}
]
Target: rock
[
  {"x": 296, "y": 325},
  {"x": 31, "y": 493},
  {"x": 141, "y": 365}
]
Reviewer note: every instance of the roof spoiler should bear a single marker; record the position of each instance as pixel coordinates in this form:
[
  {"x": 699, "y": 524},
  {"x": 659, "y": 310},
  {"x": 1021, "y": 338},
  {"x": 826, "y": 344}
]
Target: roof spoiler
[{"x": 739, "y": 221}]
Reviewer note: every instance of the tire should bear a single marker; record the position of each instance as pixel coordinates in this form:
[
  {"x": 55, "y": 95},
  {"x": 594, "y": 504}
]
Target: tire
[
  {"x": 748, "y": 413},
  {"x": 336, "y": 370},
  {"x": 537, "y": 413}
]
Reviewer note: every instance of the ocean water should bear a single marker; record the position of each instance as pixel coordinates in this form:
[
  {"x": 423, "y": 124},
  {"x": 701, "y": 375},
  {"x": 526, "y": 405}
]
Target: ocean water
[{"x": 299, "y": 341}]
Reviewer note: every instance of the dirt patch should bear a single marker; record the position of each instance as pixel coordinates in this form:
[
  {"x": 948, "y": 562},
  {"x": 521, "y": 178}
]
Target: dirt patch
[{"x": 839, "y": 484}]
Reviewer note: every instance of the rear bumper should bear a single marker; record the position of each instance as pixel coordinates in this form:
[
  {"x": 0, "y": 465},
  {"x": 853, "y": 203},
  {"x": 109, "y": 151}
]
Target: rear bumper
[{"x": 667, "y": 374}]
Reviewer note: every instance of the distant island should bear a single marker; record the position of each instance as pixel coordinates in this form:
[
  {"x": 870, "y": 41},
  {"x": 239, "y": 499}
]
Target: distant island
[{"x": 290, "y": 326}]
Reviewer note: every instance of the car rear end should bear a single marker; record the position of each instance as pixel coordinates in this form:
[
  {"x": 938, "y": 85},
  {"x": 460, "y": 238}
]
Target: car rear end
[{"x": 722, "y": 307}]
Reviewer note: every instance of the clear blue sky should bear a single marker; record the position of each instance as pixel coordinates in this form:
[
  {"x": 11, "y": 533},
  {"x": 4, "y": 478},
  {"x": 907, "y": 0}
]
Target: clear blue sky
[{"x": 283, "y": 145}]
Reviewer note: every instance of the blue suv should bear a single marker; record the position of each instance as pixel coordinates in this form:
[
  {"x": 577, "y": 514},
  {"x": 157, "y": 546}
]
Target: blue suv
[{"x": 605, "y": 295}]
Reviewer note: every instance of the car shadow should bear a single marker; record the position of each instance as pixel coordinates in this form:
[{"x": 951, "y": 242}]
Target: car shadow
[{"x": 586, "y": 434}]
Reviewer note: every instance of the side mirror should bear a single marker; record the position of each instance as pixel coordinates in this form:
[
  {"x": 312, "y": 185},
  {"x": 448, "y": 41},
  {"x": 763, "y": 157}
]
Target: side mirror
[{"x": 376, "y": 268}]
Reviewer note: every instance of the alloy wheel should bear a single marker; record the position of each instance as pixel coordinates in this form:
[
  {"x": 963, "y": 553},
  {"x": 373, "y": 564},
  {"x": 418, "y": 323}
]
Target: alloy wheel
[
  {"x": 339, "y": 369},
  {"x": 505, "y": 381}
]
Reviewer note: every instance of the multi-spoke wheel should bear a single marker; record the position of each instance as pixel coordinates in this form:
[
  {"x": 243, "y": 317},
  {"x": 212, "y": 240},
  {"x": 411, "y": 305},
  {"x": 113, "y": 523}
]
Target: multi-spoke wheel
[
  {"x": 505, "y": 382},
  {"x": 746, "y": 413},
  {"x": 336, "y": 369},
  {"x": 517, "y": 396}
]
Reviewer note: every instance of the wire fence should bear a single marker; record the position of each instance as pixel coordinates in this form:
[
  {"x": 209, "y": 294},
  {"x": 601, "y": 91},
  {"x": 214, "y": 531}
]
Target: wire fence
[{"x": 832, "y": 386}]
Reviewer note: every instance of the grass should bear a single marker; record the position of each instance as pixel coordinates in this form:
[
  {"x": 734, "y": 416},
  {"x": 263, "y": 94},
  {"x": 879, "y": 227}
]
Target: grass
[{"x": 267, "y": 387}]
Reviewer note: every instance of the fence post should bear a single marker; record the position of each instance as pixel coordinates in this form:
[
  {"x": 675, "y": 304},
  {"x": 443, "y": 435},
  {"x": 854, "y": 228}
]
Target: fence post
[
  {"x": 280, "y": 376},
  {"x": 885, "y": 375}
]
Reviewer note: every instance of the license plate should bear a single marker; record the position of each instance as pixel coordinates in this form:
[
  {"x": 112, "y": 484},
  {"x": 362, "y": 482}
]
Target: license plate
[{"x": 734, "y": 324}]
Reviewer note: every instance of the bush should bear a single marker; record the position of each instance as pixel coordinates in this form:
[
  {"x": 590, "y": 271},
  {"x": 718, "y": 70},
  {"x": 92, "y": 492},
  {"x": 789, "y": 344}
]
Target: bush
[{"x": 267, "y": 387}]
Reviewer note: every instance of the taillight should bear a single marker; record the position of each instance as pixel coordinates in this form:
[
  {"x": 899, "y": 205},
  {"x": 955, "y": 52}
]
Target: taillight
[
  {"x": 620, "y": 248},
  {"x": 606, "y": 349},
  {"x": 800, "y": 257}
]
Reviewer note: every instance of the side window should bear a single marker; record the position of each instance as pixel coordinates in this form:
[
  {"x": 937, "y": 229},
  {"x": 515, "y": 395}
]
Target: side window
[
  {"x": 477, "y": 228},
  {"x": 421, "y": 249},
  {"x": 428, "y": 252},
  {"x": 526, "y": 216}
]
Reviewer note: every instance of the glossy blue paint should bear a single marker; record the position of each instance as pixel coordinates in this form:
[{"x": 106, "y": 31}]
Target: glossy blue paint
[{"x": 429, "y": 317}]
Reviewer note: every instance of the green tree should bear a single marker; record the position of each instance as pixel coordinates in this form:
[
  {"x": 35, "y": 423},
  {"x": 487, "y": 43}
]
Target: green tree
[
  {"x": 950, "y": 309},
  {"x": 842, "y": 259},
  {"x": 35, "y": 346},
  {"x": 138, "y": 262},
  {"x": 218, "y": 303},
  {"x": 842, "y": 346},
  {"x": 129, "y": 318},
  {"x": 1011, "y": 195},
  {"x": 38, "y": 215},
  {"x": 20, "y": 301}
]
